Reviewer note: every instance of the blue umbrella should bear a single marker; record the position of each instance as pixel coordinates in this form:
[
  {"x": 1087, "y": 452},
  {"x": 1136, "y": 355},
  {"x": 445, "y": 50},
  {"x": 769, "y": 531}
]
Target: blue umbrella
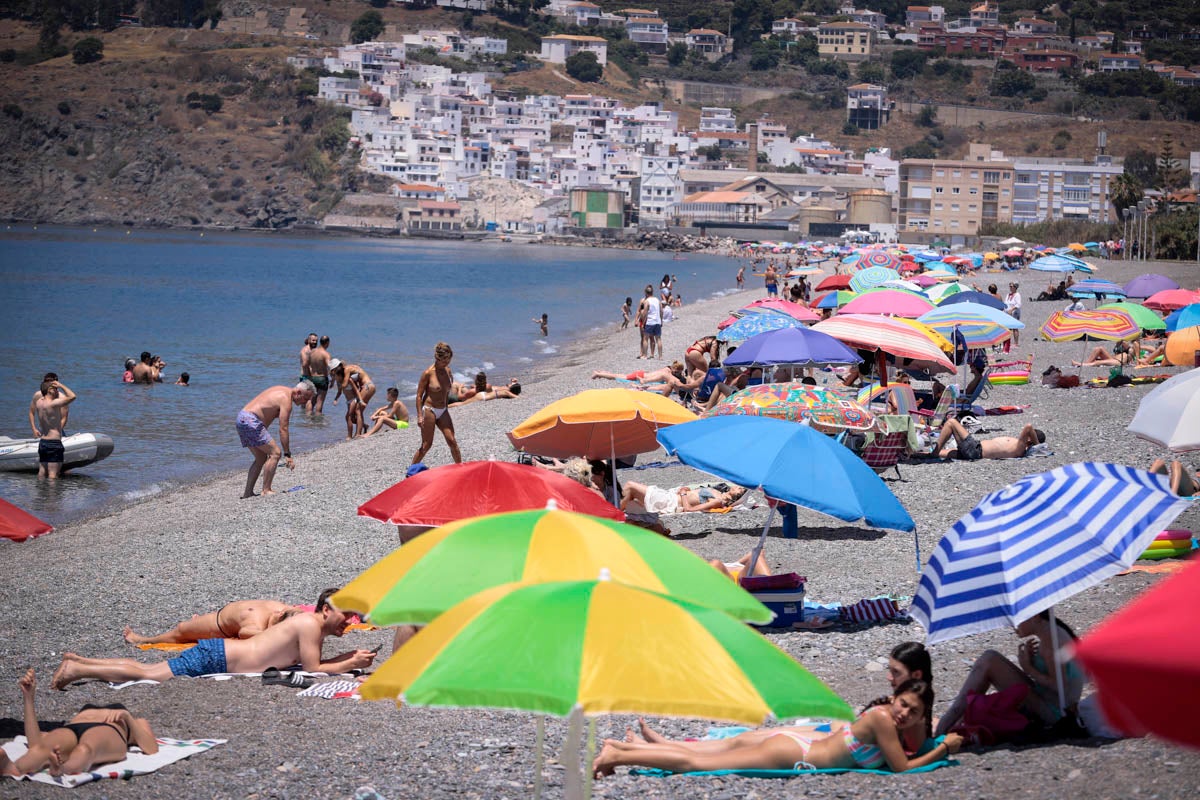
[
  {"x": 1060, "y": 263},
  {"x": 1037, "y": 542},
  {"x": 754, "y": 324},
  {"x": 973, "y": 297},
  {"x": 1096, "y": 286},
  {"x": 794, "y": 346},
  {"x": 1185, "y": 317},
  {"x": 927, "y": 255},
  {"x": 788, "y": 462}
]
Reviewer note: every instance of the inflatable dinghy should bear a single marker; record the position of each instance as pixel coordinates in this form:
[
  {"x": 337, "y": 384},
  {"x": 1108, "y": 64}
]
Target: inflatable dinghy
[{"x": 21, "y": 455}]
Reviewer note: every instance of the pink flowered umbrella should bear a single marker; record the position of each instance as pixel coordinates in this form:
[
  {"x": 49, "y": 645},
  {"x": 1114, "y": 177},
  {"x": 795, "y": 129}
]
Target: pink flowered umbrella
[{"x": 826, "y": 411}]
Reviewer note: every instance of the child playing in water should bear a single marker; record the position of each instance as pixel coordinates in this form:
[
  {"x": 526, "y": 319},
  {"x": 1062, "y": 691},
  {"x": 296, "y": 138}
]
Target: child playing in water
[{"x": 626, "y": 312}]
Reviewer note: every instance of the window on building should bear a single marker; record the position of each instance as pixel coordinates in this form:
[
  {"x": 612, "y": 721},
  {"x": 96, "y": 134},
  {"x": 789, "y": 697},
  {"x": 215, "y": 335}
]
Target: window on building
[
  {"x": 956, "y": 190},
  {"x": 973, "y": 190},
  {"x": 991, "y": 177}
]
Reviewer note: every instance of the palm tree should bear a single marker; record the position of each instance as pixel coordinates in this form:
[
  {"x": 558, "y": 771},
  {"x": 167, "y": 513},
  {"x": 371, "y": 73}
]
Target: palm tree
[{"x": 1125, "y": 191}]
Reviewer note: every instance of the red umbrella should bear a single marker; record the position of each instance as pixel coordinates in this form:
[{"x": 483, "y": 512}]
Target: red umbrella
[
  {"x": 834, "y": 282},
  {"x": 1141, "y": 656},
  {"x": 458, "y": 491},
  {"x": 1171, "y": 299},
  {"x": 20, "y": 525}
]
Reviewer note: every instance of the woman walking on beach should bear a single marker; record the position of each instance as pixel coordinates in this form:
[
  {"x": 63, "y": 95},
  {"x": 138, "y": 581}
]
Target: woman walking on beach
[{"x": 433, "y": 403}]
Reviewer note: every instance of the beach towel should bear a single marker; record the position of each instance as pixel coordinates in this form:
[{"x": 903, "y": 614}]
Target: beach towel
[
  {"x": 330, "y": 690},
  {"x": 1161, "y": 568},
  {"x": 726, "y": 733},
  {"x": 136, "y": 762},
  {"x": 872, "y": 610},
  {"x": 1000, "y": 411},
  {"x": 226, "y": 676}
]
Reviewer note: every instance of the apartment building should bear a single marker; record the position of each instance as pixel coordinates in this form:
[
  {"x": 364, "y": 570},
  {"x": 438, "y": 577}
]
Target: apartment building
[
  {"x": 648, "y": 31},
  {"x": 558, "y": 48},
  {"x": 1046, "y": 188},
  {"x": 845, "y": 41},
  {"x": 709, "y": 43},
  {"x": 956, "y": 197},
  {"x": 867, "y": 106},
  {"x": 916, "y": 16}
]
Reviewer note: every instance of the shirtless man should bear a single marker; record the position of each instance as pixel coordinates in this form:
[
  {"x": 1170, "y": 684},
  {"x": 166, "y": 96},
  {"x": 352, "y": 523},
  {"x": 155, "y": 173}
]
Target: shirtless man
[
  {"x": 433, "y": 403},
  {"x": 354, "y": 382},
  {"x": 394, "y": 414},
  {"x": 968, "y": 448},
  {"x": 240, "y": 619},
  {"x": 144, "y": 371},
  {"x": 49, "y": 376},
  {"x": 771, "y": 280},
  {"x": 253, "y": 422},
  {"x": 49, "y": 409},
  {"x": 318, "y": 366},
  {"x": 310, "y": 343},
  {"x": 296, "y": 640}
]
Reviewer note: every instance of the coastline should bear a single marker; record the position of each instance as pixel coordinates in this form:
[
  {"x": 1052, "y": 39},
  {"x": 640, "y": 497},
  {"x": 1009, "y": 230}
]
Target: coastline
[{"x": 192, "y": 549}]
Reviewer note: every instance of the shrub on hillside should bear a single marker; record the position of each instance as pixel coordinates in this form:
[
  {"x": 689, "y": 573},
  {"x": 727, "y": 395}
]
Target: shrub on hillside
[
  {"x": 87, "y": 50},
  {"x": 584, "y": 67},
  {"x": 366, "y": 28}
]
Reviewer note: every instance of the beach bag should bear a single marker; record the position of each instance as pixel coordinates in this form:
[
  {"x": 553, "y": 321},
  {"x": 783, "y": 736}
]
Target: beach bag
[
  {"x": 1050, "y": 376},
  {"x": 1067, "y": 381},
  {"x": 992, "y": 718}
]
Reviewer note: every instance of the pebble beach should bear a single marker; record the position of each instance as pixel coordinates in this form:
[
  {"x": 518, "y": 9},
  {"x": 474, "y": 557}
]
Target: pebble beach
[{"x": 152, "y": 563}]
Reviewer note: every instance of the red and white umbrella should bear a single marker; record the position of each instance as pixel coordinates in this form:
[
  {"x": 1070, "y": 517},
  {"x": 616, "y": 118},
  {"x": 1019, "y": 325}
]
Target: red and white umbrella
[{"x": 873, "y": 332}]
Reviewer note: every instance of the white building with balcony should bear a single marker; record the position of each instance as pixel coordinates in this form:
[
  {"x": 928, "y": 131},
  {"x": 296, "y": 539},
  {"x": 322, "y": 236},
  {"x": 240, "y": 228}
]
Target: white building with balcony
[{"x": 558, "y": 48}]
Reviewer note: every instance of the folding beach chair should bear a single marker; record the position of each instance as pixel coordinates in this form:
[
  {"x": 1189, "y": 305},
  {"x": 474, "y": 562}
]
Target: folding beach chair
[{"x": 895, "y": 441}]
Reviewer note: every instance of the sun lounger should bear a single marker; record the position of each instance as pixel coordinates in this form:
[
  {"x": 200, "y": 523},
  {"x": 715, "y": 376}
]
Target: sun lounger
[{"x": 135, "y": 762}]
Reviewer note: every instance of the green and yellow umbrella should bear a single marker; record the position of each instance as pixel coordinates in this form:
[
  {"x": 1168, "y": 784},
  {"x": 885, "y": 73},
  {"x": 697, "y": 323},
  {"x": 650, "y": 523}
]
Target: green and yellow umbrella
[
  {"x": 603, "y": 647},
  {"x": 1145, "y": 319},
  {"x": 443, "y": 567}
]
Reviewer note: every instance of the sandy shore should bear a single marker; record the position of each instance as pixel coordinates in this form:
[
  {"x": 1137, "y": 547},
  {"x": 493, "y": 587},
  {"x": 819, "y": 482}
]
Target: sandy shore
[{"x": 154, "y": 563}]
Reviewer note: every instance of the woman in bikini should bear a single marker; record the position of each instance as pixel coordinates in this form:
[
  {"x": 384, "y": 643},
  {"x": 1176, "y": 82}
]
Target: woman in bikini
[
  {"x": 1123, "y": 353},
  {"x": 873, "y": 741},
  {"x": 433, "y": 403},
  {"x": 96, "y": 735},
  {"x": 354, "y": 382},
  {"x": 701, "y": 352}
]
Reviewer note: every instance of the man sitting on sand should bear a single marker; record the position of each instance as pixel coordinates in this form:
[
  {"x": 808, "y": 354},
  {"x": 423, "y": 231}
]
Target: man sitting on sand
[
  {"x": 240, "y": 619},
  {"x": 967, "y": 448},
  {"x": 252, "y": 424},
  {"x": 1183, "y": 483},
  {"x": 296, "y": 640}
]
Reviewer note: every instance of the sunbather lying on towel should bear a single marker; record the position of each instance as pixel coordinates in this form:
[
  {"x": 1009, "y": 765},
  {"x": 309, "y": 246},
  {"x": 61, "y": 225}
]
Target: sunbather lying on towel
[
  {"x": 1183, "y": 483},
  {"x": 967, "y": 448},
  {"x": 96, "y": 735},
  {"x": 296, "y": 640},
  {"x": 640, "y": 498},
  {"x": 240, "y": 619},
  {"x": 871, "y": 742}
]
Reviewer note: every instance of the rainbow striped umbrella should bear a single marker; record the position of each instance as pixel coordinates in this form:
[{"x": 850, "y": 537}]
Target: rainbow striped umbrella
[
  {"x": 871, "y": 277},
  {"x": 1113, "y": 326},
  {"x": 867, "y": 259},
  {"x": 825, "y": 410},
  {"x": 980, "y": 326},
  {"x": 872, "y": 332}
]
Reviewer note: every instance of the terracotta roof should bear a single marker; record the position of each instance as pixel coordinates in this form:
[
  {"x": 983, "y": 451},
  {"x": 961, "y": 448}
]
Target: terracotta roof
[
  {"x": 717, "y": 197},
  {"x": 418, "y": 187},
  {"x": 732, "y": 135},
  {"x": 436, "y": 205},
  {"x": 704, "y": 32}
]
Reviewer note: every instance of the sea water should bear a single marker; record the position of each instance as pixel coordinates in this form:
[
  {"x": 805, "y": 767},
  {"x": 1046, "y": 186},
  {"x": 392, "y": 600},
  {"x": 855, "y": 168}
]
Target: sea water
[{"x": 233, "y": 310}]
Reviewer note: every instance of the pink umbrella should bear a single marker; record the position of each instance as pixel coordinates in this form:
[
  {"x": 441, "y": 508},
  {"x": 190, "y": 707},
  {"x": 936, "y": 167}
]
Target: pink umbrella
[
  {"x": 891, "y": 302},
  {"x": 793, "y": 310},
  {"x": 1171, "y": 299}
]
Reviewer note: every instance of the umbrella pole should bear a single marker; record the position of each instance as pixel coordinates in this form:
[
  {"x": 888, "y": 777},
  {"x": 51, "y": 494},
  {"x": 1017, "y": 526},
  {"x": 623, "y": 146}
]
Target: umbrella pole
[
  {"x": 589, "y": 758},
  {"x": 881, "y": 366},
  {"x": 758, "y": 548},
  {"x": 917, "y": 546},
  {"x": 612, "y": 467},
  {"x": 1058, "y": 678},
  {"x": 539, "y": 750},
  {"x": 573, "y": 779}
]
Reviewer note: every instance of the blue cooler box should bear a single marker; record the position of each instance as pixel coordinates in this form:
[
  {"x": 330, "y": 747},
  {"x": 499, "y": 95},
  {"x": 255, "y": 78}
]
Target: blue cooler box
[{"x": 783, "y": 594}]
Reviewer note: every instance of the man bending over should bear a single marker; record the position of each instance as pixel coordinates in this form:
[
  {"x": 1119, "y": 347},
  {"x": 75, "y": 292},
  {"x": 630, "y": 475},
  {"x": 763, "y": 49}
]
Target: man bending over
[
  {"x": 967, "y": 448},
  {"x": 240, "y": 619},
  {"x": 296, "y": 640}
]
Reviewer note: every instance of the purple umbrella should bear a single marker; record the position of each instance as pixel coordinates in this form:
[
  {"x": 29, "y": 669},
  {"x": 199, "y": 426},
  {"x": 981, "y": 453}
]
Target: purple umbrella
[
  {"x": 791, "y": 346},
  {"x": 1143, "y": 286}
]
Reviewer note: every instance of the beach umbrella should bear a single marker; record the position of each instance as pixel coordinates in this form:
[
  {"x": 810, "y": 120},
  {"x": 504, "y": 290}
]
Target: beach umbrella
[
  {"x": 1140, "y": 657},
  {"x": 1169, "y": 414},
  {"x": 1067, "y": 326},
  {"x": 598, "y": 423},
  {"x": 1096, "y": 286},
  {"x": 903, "y": 285},
  {"x": 800, "y": 347},
  {"x": 925, "y": 281},
  {"x": 833, "y": 282},
  {"x": 871, "y": 277},
  {"x": 891, "y": 302},
  {"x": 870, "y": 259},
  {"x": 1146, "y": 319},
  {"x": 972, "y": 297},
  {"x": 822, "y": 408},
  {"x": 20, "y": 526},
  {"x": 754, "y": 324},
  {"x": 475, "y": 488},
  {"x": 441, "y": 568},
  {"x": 1186, "y": 317},
  {"x": 1171, "y": 299},
  {"x": 927, "y": 255},
  {"x": 980, "y": 325},
  {"x": 605, "y": 647},
  {"x": 788, "y": 462},
  {"x": 1183, "y": 347},
  {"x": 1010, "y": 242},
  {"x": 991, "y": 256},
  {"x": 1014, "y": 252},
  {"x": 1145, "y": 285},
  {"x": 1077, "y": 247},
  {"x": 892, "y": 336},
  {"x": 941, "y": 341},
  {"x": 1037, "y": 542},
  {"x": 833, "y": 299},
  {"x": 941, "y": 291},
  {"x": 1060, "y": 263},
  {"x": 794, "y": 310}
]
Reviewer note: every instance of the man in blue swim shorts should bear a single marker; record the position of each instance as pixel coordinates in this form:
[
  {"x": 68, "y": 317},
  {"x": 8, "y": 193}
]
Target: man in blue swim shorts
[
  {"x": 296, "y": 640},
  {"x": 253, "y": 422}
]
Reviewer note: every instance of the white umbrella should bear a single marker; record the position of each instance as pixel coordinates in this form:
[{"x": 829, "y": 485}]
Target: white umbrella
[
  {"x": 1170, "y": 414},
  {"x": 1011, "y": 241}
]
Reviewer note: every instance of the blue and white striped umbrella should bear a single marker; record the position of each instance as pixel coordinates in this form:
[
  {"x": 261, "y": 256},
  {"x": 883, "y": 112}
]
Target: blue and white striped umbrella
[
  {"x": 1037, "y": 542},
  {"x": 1094, "y": 286}
]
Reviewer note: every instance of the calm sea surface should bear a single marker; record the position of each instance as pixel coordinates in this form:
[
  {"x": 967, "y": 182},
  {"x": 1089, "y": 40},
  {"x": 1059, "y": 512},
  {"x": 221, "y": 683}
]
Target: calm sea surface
[{"x": 233, "y": 311}]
